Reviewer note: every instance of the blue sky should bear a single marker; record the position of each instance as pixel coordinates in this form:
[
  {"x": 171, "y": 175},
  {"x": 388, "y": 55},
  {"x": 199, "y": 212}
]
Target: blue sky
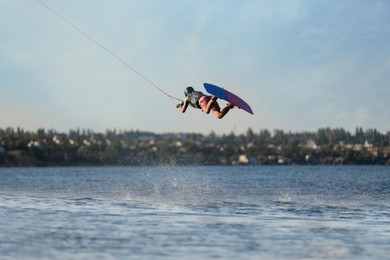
[{"x": 301, "y": 65}]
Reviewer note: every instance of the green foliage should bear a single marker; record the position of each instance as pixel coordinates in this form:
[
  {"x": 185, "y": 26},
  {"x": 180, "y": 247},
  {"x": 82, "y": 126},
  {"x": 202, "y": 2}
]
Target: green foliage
[{"x": 85, "y": 147}]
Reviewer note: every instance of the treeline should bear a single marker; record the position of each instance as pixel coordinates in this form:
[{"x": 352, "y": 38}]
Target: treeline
[{"x": 86, "y": 147}]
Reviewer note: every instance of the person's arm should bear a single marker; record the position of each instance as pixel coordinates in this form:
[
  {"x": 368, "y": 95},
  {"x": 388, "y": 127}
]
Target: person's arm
[{"x": 183, "y": 105}]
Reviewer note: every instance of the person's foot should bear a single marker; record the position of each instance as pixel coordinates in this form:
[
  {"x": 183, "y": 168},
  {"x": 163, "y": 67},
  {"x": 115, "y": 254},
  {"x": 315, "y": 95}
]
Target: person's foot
[{"x": 230, "y": 105}]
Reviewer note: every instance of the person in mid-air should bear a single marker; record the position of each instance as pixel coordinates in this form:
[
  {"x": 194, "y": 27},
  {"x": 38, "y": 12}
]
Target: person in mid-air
[{"x": 205, "y": 102}]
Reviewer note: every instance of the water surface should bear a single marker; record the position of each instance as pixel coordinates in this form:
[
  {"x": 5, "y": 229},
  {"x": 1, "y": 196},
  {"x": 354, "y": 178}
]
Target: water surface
[{"x": 195, "y": 212}]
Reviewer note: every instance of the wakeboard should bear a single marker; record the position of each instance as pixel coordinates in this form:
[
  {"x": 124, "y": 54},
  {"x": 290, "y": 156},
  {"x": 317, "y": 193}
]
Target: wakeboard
[{"x": 228, "y": 96}]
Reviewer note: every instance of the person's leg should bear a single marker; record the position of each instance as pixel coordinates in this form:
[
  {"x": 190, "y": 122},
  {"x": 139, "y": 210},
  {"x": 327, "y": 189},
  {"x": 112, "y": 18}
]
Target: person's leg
[
  {"x": 209, "y": 105},
  {"x": 221, "y": 114}
]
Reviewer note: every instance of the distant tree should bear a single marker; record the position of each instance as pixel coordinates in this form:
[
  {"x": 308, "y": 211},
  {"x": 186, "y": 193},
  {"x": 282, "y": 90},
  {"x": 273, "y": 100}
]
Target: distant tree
[
  {"x": 359, "y": 136},
  {"x": 279, "y": 137},
  {"x": 250, "y": 135}
]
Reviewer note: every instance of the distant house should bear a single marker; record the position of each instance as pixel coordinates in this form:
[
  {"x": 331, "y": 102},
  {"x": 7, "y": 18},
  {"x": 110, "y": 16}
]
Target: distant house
[
  {"x": 146, "y": 138},
  {"x": 367, "y": 145},
  {"x": 310, "y": 144},
  {"x": 386, "y": 151},
  {"x": 34, "y": 144},
  {"x": 243, "y": 159},
  {"x": 358, "y": 147}
]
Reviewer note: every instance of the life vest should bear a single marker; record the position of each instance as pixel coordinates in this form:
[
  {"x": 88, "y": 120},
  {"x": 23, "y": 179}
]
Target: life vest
[{"x": 194, "y": 97}]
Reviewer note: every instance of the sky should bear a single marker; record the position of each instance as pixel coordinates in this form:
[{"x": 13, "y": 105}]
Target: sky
[{"x": 301, "y": 65}]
